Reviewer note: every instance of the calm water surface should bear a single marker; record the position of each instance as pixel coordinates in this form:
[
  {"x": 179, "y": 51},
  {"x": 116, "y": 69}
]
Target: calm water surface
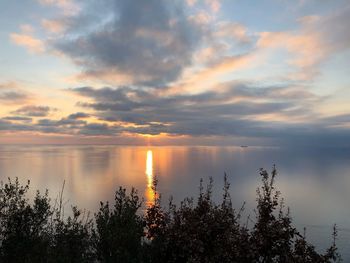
[{"x": 314, "y": 182}]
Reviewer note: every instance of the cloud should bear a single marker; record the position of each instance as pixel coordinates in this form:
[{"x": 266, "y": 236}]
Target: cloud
[
  {"x": 12, "y": 96},
  {"x": 313, "y": 43},
  {"x": 334, "y": 29},
  {"x": 71, "y": 123},
  {"x": 53, "y": 26},
  {"x": 233, "y": 109},
  {"x": 307, "y": 50},
  {"x": 75, "y": 126},
  {"x": 78, "y": 115},
  {"x": 191, "y": 2},
  {"x": 6, "y": 125},
  {"x": 307, "y": 20},
  {"x": 338, "y": 121},
  {"x": 214, "y": 5},
  {"x": 168, "y": 64},
  {"x": 33, "y": 111},
  {"x": 97, "y": 129},
  {"x": 10, "y": 93},
  {"x": 63, "y": 126},
  {"x": 149, "y": 41},
  {"x": 27, "y": 40},
  {"x": 207, "y": 77},
  {"x": 202, "y": 18},
  {"x": 167, "y": 38},
  {"x": 234, "y": 31},
  {"x": 69, "y": 7},
  {"x": 17, "y": 118}
]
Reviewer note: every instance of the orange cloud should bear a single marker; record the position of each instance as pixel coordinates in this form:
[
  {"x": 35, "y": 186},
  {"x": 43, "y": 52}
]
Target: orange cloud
[
  {"x": 25, "y": 39},
  {"x": 191, "y": 2},
  {"x": 203, "y": 79},
  {"x": 53, "y": 26},
  {"x": 316, "y": 40},
  {"x": 214, "y": 5},
  {"x": 69, "y": 7},
  {"x": 110, "y": 76},
  {"x": 226, "y": 65},
  {"x": 232, "y": 30},
  {"x": 202, "y": 18},
  {"x": 306, "y": 47}
]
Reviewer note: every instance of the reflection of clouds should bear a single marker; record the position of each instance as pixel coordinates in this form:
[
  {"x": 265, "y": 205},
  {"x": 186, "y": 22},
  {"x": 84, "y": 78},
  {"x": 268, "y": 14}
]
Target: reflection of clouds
[
  {"x": 96, "y": 161},
  {"x": 315, "y": 184}
]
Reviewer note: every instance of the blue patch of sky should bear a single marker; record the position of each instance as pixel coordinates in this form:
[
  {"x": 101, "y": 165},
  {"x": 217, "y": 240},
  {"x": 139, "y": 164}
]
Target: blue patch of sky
[
  {"x": 16, "y": 63},
  {"x": 276, "y": 15},
  {"x": 258, "y": 15}
]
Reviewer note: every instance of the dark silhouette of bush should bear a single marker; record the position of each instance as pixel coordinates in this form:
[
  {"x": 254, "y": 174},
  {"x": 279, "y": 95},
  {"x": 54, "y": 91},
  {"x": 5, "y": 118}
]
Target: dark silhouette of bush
[
  {"x": 24, "y": 233},
  {"x": 37, "y": 232},
  {"x": 197, "y": 230},
  {"x": 119, "y": 231},
  {"x": 71, "y": 239},
  {"x": 273, "y": 238},
  {"x": 202, "y": 231}
]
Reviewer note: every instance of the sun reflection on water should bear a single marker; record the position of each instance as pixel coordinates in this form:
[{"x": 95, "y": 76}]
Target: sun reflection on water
[{"x": 149, "y": 173}]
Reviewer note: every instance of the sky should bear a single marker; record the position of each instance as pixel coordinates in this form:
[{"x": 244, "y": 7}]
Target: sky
[{"x": 179, "y": 72}]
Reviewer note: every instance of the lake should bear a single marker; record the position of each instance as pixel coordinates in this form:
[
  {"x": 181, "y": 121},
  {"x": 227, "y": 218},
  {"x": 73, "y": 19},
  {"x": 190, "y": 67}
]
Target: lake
[{"x": 315, "y": 183}]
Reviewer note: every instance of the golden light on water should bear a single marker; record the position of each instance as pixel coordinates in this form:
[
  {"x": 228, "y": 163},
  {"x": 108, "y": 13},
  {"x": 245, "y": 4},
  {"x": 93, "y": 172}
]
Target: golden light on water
[
  {"x": 149, "y": 166},
  {"x": 149, "y": 173}
]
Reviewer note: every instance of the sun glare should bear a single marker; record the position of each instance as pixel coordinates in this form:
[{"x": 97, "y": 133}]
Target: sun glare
[
  {"x": 149, "y": 167},
  {"x": 149, "y": 173}
]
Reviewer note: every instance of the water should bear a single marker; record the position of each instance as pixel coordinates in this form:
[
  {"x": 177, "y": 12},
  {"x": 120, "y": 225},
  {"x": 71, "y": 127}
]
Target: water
[{"x": 314, "y": 182}]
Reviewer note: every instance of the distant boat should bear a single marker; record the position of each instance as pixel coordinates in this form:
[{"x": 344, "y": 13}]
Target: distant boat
[{"x": 244, "y": 146}]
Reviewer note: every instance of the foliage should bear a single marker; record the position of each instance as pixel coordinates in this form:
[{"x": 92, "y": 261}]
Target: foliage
[
  {"x": 119, "y": 231},
  {"x": 23, "y": 228},
  {"x": 197, "y": 230},
  {"x": 71, "y": 239},
  {"x": 202, "y": 231}
]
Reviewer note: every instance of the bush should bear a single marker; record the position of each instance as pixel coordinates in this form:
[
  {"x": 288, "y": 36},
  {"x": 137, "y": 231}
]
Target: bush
[
  {"x": 71, "y": 239},
  {"x": 119, "y": 231},
  {"x": 198, "y": 230},
  {"x": 202, "y": 231},
  {"x": 24, "y": 233}
]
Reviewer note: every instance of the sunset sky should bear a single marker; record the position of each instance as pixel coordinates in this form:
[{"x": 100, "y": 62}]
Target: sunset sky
[{"x": 204, "y": 72}]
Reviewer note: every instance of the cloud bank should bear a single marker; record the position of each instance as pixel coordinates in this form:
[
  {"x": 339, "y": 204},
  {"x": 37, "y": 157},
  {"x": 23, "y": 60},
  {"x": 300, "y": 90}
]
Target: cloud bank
[{"x": 183, "y": 68}]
